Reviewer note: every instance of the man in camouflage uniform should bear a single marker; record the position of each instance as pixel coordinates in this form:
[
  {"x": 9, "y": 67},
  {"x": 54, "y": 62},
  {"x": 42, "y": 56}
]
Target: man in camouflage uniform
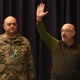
[{"x": 16, "y": 59}]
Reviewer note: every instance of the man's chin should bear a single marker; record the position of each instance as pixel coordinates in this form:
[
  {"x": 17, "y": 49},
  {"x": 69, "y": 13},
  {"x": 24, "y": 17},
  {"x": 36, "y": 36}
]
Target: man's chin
[
  {"x": 65, "y": 41},
  {"x": 12, "y": 33}
]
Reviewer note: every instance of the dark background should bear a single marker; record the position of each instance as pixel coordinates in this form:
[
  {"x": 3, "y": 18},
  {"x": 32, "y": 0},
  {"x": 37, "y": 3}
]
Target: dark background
[{"x": 59, "y": 13}]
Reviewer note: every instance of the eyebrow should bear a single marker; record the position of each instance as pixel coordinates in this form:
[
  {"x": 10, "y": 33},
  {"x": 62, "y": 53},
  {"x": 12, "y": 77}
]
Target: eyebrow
[
  {"x": 11, "y": 23},
  {"x": 67, "y": 29}
]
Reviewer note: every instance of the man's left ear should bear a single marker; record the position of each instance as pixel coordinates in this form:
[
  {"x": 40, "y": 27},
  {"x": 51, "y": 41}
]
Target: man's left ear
[
  {"x": 3, "y": 26},
  {"x": 74, "y": 33}
]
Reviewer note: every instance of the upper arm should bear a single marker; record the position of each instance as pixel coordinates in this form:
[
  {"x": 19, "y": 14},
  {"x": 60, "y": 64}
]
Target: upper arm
[{"x": 50, "y": 41}]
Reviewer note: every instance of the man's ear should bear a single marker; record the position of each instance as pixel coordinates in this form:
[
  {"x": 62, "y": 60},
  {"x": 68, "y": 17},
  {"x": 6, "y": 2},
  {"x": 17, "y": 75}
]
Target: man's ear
[
  {"x": 74, "y": 33},
  {"x": 3, "y": 26}
]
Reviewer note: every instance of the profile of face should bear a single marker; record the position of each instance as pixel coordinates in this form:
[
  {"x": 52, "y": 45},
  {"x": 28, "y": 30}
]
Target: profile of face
[
  {"x": 67, "y": 33},
  {"x": 10, "y": 25}
]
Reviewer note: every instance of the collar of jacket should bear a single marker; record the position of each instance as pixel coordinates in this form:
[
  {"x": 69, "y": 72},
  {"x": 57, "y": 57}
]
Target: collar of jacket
[
  {"x": 74, "y": 45},
  {"x": 4, "y": 38}
]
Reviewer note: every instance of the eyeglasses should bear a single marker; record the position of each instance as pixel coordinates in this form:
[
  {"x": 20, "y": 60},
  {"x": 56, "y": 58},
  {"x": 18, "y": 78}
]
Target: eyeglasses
[{"x": 66, "y": 30}]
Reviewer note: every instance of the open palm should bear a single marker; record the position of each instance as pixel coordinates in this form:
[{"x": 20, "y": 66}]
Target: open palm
[{"x": 40, "y": 11}]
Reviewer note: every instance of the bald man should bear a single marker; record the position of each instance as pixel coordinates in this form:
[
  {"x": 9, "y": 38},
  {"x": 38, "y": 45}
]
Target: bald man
[
  {"x": 65, "y": 53},
  {"x": 16, "y": 58}
]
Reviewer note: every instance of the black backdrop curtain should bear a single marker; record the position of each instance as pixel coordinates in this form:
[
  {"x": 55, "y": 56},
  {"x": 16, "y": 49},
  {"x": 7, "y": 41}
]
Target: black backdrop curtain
[{"x": 60, "y": 12}]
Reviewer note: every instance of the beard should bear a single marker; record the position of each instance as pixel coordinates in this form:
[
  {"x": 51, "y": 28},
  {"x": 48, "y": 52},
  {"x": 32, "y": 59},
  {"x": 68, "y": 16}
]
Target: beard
[{"x": 65, "y": 40}]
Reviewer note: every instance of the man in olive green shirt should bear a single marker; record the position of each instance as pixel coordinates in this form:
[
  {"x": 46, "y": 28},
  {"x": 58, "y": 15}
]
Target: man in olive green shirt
[
  {"x": 16, "y": 58},
  {"x": 65, "y": 53}
]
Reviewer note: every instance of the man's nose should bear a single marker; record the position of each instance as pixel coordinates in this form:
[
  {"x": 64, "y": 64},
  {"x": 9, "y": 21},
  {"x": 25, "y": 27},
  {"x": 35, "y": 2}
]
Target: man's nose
[{"x": 12, "y": 25}]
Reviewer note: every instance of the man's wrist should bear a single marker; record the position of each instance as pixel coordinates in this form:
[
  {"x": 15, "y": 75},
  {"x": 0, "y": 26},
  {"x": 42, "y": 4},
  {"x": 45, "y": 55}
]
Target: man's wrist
[{"x": 39, "y": 18}]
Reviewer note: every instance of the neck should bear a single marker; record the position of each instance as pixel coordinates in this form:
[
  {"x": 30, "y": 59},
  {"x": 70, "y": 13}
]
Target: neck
[
  {"x": 11, "y": 36},
  {"x": 70, "y": 42}
]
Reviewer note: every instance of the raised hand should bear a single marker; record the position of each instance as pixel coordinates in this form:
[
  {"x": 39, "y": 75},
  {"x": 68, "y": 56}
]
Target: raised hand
[{"x": 40, "y": 12}]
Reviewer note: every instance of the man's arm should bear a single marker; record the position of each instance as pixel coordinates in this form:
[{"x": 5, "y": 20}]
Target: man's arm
[
  {"x": 30, "y": 64},
  {"x": 50, "y": 41}
]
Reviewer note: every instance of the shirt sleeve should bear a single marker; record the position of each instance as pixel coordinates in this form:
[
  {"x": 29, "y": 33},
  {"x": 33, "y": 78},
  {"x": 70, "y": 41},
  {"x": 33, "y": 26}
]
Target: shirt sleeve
[
  {"x": 50, "y": 41},
  {"x": 30, "y": 65}
]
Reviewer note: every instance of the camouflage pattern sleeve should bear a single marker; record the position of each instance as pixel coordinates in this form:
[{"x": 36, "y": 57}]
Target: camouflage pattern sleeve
[{"x": 30, "y": 64}]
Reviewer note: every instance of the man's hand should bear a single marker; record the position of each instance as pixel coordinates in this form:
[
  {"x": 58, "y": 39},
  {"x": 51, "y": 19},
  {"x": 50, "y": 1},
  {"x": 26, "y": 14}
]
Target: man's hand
[{"x": 40, "y": 12}]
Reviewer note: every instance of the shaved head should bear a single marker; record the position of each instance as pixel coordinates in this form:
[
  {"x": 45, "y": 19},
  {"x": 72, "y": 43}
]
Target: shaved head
[
  {"x": 10, "y": 26},
  {"x": 68, "y": 26},
  {"x": 9, "y": 17},
  {"x": 68, "y": 33}
]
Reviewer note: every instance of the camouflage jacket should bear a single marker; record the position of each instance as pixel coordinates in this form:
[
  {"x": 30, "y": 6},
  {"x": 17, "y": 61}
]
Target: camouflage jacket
[{"x": 16, "y": 59}]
